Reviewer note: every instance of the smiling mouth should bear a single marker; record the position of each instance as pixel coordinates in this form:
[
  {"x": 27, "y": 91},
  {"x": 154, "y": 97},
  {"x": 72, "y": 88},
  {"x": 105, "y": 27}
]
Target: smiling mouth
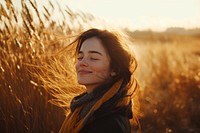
[{"x": 84, "y": 72}]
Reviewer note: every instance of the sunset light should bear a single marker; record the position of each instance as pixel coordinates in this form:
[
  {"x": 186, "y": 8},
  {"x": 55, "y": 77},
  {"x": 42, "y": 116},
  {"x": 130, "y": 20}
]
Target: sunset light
[
  {"x": 70, "y": 66},
  {"x": 135, "y": 14},
  {"x": 143, "y": 14}
]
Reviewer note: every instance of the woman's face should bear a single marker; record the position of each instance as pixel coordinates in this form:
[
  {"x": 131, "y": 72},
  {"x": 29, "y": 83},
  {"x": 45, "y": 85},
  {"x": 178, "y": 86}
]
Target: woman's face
[{"x": 93, "y": 64}]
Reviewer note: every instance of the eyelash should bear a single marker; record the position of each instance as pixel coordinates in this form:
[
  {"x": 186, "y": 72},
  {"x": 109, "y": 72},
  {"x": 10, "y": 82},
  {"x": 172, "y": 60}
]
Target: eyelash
[
  {"x": 79, "y": 58},
  {"x": 94, "y": 59}
]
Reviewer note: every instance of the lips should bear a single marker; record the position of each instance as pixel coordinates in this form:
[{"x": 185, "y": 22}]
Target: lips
[{"x": 83, "y": 72}]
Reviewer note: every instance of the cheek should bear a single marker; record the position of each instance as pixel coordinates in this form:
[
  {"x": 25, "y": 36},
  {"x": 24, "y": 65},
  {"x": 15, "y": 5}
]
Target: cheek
[
  {"x": 102, "y": 69},
  {"x": 76, "y": 66}
]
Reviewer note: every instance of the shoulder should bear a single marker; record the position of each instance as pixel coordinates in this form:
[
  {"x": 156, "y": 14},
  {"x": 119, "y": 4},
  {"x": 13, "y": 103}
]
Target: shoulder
[{"x": 114, "y": 123}]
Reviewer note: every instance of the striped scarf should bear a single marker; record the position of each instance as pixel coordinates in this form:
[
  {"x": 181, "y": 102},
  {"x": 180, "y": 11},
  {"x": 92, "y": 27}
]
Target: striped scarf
[{"x": 84, "y": 106}]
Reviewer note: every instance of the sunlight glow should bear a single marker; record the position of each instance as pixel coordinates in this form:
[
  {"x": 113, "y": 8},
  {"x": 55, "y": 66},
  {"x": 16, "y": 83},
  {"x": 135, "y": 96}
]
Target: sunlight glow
[
  {"x": 144, "y": 14},
  {"x": 136, "y": 14}
]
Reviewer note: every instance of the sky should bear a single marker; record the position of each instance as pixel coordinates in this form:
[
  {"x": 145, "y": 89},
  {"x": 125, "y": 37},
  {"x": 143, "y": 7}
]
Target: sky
[
  {"x": 138, "y": 14},
  {"x": 144, "y": 14}
]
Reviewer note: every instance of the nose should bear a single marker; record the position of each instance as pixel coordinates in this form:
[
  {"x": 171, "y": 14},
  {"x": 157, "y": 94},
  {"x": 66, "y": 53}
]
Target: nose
[{"x": 83, "y": 62}]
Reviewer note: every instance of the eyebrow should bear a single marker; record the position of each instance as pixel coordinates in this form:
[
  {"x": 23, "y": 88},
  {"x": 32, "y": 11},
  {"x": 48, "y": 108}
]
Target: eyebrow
[{"x": 96, "y": 52}]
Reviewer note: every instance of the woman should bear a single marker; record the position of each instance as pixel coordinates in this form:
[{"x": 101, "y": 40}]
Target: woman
[{"x": 105, "y": 66}]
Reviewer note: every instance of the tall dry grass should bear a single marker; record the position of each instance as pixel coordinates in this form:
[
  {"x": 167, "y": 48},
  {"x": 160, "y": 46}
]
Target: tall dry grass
[
  {"x": 168, "y": 72},
  {"x": 24, "y": 105}
]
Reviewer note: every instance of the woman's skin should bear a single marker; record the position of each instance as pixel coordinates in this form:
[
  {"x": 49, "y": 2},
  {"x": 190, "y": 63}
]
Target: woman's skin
[{"x": 93, "y": 64}]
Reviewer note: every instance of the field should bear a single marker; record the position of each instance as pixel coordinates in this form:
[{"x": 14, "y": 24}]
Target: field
[
  {"x": 168, "y": 71},
  {"x": 169, "y": 78}
]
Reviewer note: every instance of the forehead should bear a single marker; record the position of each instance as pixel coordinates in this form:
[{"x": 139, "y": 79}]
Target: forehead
[{"x": 93, "y": 44}]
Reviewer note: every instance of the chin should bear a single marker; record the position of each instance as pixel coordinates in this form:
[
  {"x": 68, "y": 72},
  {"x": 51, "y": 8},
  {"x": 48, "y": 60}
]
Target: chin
[
  {"x": 86, "y": 83},
  {"x": 83, "y": 82}
]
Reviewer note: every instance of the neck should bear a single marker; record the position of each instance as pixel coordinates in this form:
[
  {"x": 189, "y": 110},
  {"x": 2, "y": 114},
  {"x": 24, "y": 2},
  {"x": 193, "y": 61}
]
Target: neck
[{"x": 90, "y": 88}]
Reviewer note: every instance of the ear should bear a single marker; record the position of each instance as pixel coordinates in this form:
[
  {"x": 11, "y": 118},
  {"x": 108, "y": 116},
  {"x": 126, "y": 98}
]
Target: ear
[{"x": 113, "y": 74}]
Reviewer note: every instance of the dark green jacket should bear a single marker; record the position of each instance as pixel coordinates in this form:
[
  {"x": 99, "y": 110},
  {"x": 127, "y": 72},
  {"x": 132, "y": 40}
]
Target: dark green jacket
[{"x": 110, "y": 122}]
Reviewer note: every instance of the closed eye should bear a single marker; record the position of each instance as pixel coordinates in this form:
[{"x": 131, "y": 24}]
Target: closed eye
[
  {"x": 80, "y": 58},
  {"x": 94, "y": 58}
]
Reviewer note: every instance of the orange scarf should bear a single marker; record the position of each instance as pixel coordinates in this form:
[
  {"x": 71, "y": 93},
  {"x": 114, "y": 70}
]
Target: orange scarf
[{"x": 72, "y": 123}]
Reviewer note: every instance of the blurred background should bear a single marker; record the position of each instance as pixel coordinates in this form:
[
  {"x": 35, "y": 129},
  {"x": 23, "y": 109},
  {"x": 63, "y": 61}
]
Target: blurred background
[{"x": 164, "y": 34}]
